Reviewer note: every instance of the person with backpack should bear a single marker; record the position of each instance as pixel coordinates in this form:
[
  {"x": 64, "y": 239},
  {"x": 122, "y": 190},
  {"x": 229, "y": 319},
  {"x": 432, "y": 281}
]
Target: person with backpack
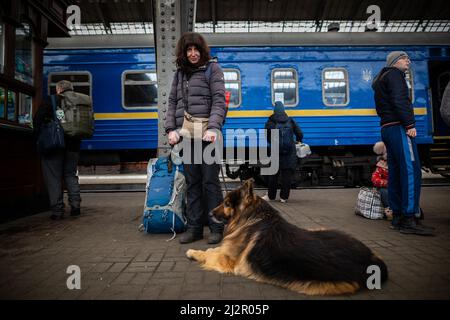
[
  {"x": 60, "y": 164},
  {"x": 398, "y": 132},
  {"x": 287, "y": 128},
  {"x": 197, "y": 99}
]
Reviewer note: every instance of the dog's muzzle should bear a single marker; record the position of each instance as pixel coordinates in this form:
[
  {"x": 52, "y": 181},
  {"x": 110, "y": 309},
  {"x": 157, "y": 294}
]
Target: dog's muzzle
[{"x": 215, "y": 220}]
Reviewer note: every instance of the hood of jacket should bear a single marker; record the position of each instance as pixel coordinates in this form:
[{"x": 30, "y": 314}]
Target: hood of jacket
[
  {"x": 279, "y": 117},
  {"x": 189, "y": 69},
  {"x": 380, "y": 75}
]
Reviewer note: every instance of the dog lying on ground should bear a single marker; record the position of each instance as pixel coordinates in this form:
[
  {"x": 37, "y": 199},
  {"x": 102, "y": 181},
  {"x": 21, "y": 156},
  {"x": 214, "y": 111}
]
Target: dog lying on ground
[{"x": 259, "y": 244}]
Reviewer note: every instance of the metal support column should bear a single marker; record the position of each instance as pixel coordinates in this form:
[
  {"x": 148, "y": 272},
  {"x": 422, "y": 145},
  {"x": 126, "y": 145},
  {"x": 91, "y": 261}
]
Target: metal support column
[{"x": 171, "y": 18}]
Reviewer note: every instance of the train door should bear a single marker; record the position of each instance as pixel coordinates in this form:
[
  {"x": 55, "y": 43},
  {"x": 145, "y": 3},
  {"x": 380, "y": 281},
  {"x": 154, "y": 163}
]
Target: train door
[
  {"x": 439, "y": 153},
  {"x": 439, "y": 77}
]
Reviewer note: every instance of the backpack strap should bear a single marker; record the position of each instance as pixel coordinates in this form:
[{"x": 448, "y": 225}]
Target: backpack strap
[
  {"x": 208, "y": 72},
  {"x": 53, "y": 98},
  {"x": 184, "y": 94}
]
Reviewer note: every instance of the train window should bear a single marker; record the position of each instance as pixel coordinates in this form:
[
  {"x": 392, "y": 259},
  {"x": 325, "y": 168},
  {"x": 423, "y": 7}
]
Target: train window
[
  {"x": 11, "y": 106},
  {"x": 81, "y": 81},
  {"x": 2, "y": 103},
  {"x": 140, "y": 89},
  {"x": 25, "y": 110},
  {"x": 335, "y": 91},
  {"x": 410, "y": 83},
  {"x": 232, "y": 79},
  {"x": 24, "y": 54},
  {"x": 285, "y": 87}
]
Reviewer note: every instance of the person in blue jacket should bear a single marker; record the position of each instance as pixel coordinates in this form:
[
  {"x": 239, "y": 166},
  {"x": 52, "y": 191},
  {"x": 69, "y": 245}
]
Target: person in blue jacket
[{"x": 398, "y": 132}]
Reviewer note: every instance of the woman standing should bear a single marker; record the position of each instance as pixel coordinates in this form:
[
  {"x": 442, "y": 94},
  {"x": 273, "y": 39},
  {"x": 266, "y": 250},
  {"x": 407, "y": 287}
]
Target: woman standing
[{"x": 198, "y": 92}]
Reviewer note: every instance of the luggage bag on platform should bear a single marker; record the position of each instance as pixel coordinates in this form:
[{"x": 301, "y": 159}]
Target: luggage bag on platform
[
  {"x": 165, "y": 201},
  {"x": 369, "y": 204}
]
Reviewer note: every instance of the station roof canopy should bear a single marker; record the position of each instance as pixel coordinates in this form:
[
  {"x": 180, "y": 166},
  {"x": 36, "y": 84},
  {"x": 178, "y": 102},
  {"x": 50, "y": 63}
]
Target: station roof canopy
[
  {"x": 270, "y": 10},
  {"x": 420, "y": 14}
]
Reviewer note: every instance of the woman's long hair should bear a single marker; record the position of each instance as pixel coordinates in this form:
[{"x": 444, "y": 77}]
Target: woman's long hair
[{"x": 191, "y": 39}]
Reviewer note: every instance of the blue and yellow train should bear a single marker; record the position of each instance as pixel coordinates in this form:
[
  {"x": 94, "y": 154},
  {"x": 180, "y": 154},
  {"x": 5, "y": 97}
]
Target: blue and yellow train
[{"x": 323, "y": 79}]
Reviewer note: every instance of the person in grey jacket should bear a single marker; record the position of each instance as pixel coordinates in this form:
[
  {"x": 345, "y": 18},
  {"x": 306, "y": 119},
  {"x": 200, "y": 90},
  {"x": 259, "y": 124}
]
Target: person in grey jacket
[
  {"x": 60, "y": 165},
  {"x": 203, "y": 97}
]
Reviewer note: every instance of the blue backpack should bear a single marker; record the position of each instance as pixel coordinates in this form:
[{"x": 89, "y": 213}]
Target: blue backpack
[
  {"x": 165, "y": 201},
  {"x": 286, "y": 136}
]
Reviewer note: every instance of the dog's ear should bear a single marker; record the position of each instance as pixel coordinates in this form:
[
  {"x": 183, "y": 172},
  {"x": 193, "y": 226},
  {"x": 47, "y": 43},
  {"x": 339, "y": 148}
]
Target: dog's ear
[{"x": 248, "y": 187}]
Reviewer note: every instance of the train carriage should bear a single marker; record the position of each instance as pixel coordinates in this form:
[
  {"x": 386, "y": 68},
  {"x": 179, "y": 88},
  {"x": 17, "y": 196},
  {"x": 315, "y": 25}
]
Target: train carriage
[{"x": 325, "y": 85}]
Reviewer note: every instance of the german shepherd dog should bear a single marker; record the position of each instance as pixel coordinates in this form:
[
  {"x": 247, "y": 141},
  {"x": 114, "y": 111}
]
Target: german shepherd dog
[{"x": 259, "y": 244}]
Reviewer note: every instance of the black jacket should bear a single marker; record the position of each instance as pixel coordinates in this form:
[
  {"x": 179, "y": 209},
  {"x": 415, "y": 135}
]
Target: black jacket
[
  {"x": 43, "y": 115},
  {"x": 287, "y": 161},
  {"x": 392, "y": 98}
]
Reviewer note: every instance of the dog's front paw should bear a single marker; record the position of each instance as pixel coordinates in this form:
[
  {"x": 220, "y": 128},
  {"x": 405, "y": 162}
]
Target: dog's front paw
[{"x": 190, "y": 254}]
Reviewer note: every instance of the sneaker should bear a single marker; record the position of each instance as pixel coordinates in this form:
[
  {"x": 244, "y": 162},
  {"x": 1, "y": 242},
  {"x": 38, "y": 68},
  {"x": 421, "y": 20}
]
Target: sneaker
[
  {"x": 420, "y": 224},
  {"x": 283, "y": 200},
  {"x": 408, "y": 225},
  {"x": 266, "y": 198},
  {"x": 75, "y": 212},
  {"x": 215, "y": 237},
  {"x": 190, "y": 236}
]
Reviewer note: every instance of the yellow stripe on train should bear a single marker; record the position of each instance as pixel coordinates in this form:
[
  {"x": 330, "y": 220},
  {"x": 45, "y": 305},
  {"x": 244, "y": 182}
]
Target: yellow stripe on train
[{"x": 257, "y": 113}]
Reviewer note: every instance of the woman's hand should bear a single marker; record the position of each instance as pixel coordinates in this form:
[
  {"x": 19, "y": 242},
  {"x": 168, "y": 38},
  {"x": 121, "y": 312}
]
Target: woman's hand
[
  {"x": 209, "y": 136},
  {"x": 174, "y": 137}
]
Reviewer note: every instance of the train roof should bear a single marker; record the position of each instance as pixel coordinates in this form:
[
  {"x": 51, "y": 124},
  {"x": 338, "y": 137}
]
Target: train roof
[{"x": 261, "y": 39}]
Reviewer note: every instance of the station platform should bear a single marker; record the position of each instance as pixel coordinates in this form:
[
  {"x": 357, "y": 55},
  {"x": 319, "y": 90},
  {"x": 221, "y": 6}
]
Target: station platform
[{"x": 119, "y": 262}]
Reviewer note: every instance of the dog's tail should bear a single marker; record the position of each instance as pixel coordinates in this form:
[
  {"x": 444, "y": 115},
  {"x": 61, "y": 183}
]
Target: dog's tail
[{"x": 383, "y": 268}]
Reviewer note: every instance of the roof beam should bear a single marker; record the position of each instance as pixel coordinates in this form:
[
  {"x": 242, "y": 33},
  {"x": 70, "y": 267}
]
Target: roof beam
[
  {"x": 99, "y": 11},
  {"x": 250, "y": 6},
  {"x": 284, "y": 12},
  {"x": 213, "y": 14},
  {"x": 422, "y": 13},
  {"x": 320, "y": 10}
]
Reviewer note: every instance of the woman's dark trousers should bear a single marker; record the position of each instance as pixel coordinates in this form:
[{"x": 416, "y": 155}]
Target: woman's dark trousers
[
  {"x": 204, "y": 193},
  {"x": 286, "y": 179}
]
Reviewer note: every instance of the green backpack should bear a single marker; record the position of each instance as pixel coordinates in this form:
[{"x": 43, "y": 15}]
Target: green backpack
[{"x": 78, "y": 117}]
